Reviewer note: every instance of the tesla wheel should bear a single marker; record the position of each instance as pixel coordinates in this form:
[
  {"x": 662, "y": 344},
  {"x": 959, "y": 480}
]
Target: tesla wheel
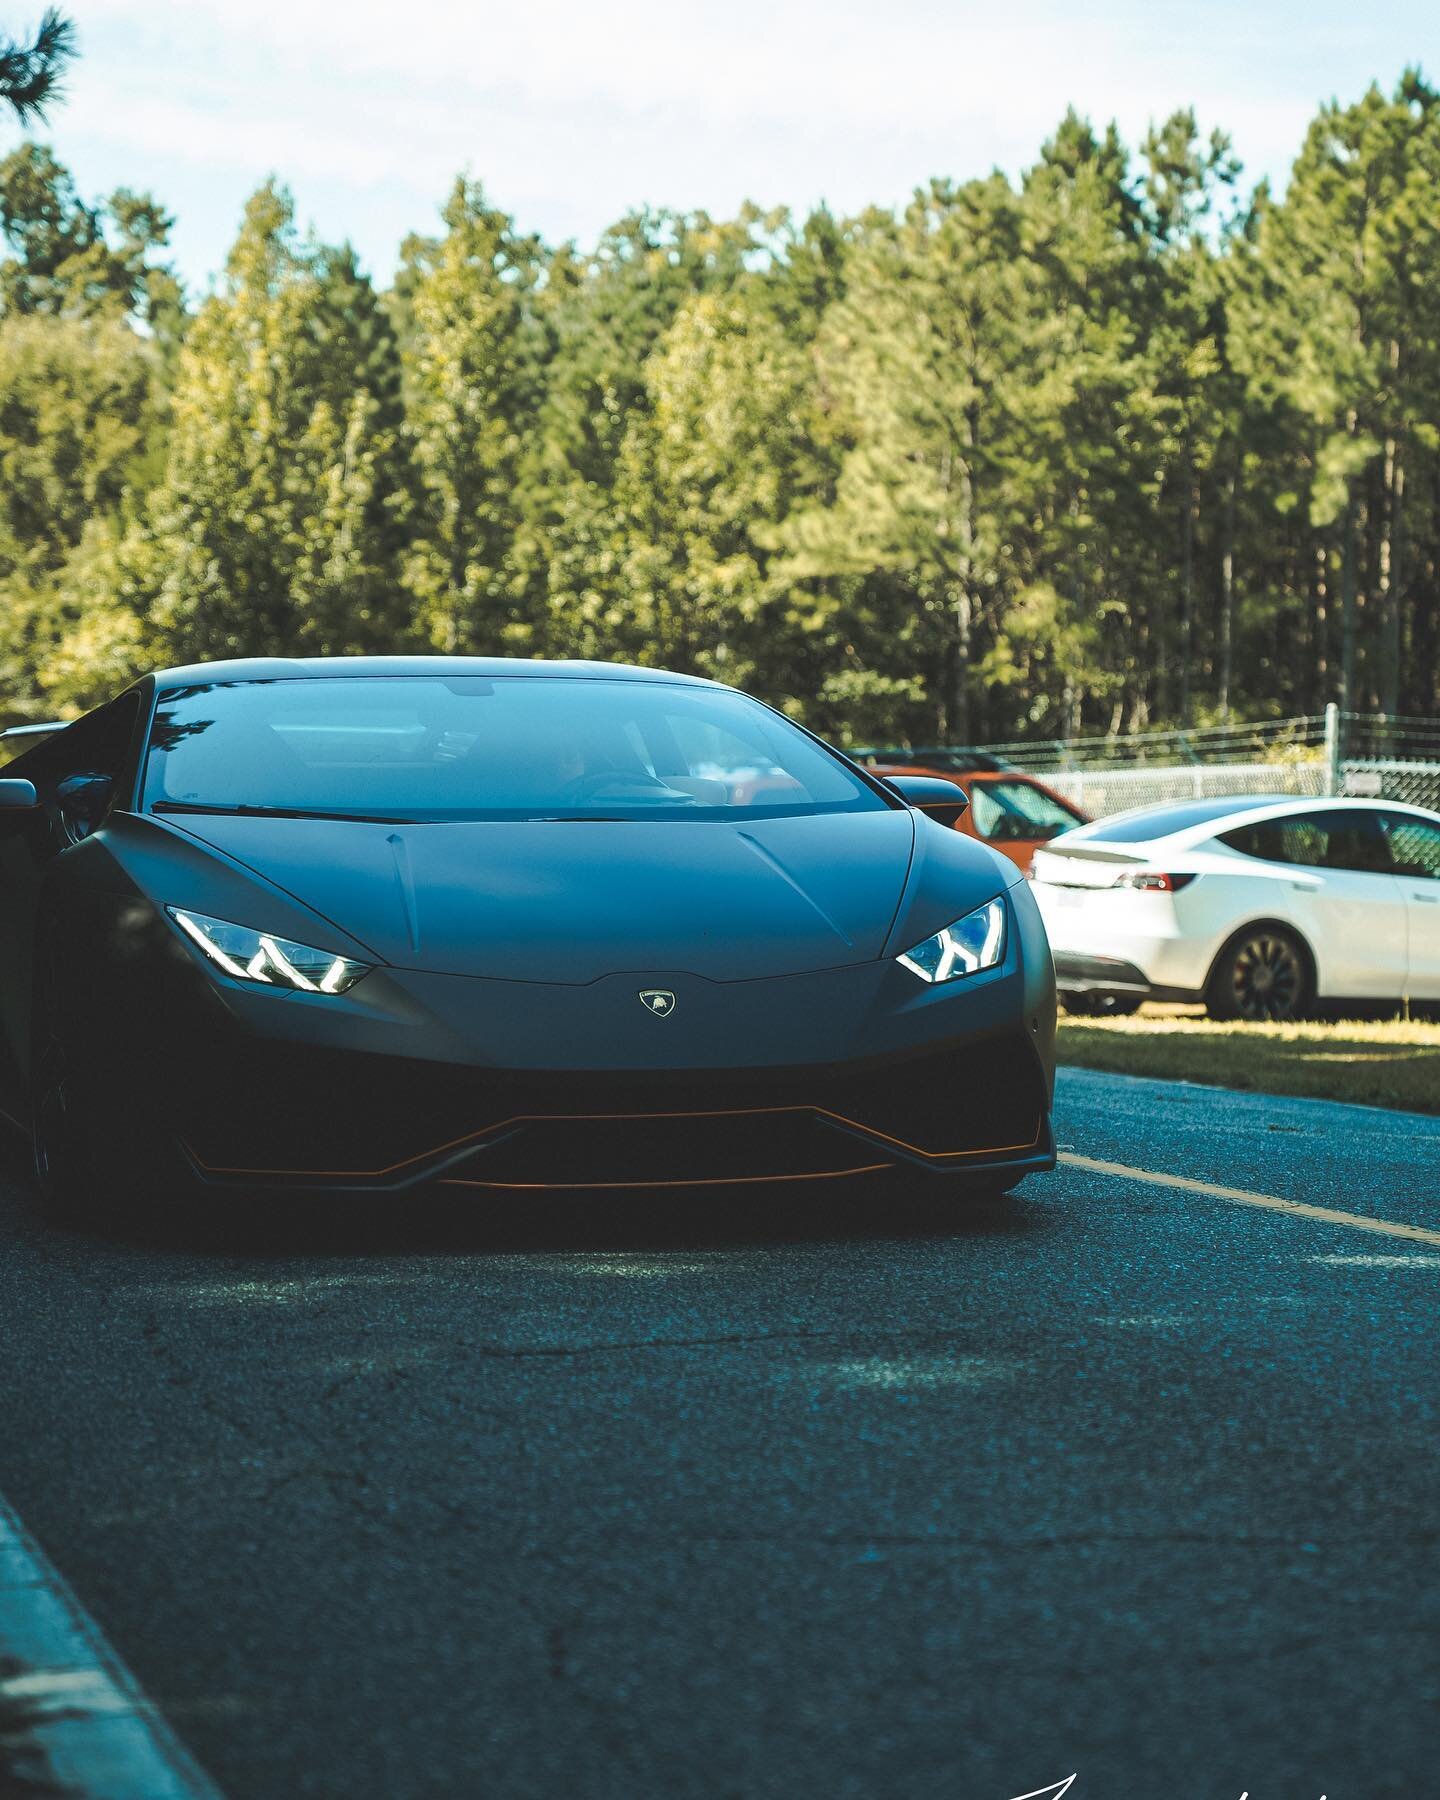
[{"x": 1263, "y": 974}]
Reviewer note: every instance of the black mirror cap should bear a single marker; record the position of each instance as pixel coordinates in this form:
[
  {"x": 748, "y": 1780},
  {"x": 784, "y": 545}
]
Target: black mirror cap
[
  {"x": 940, "y": 800},
  {"x": 18, "y": 796},
  {"x": 87, "y": 794}
]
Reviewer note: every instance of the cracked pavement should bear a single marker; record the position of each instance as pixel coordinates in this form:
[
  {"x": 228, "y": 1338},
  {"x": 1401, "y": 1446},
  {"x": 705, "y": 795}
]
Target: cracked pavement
[{"x": 855, "y": 1494}]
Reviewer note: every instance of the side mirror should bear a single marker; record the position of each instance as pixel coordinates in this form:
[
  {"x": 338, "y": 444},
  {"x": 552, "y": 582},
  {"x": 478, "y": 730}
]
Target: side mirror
[
  {"x": 942, "y": 801},
  {"x": 83, "y": 800},
  {"x": 18, "y": 796}
]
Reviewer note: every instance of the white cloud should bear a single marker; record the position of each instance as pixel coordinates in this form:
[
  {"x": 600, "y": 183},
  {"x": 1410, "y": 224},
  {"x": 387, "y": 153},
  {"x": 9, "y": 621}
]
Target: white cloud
[{"x": 574, "y": 113}]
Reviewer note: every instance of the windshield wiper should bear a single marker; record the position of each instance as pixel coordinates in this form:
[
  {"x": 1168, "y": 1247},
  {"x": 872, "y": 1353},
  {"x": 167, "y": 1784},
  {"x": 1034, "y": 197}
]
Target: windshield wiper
[{"x": 271, "y": 812}]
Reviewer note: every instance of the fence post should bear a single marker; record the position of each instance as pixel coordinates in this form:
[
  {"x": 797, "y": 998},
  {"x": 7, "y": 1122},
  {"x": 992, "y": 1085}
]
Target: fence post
[{"x": 1332, "y": 749}]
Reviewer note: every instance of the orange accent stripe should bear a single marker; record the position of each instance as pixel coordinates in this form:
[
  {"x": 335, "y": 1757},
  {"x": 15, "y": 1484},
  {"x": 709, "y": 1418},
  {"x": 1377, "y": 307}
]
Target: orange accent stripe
[
  {"x": 732, "y": 1112},
  {"x": 705, "y": 1181}
]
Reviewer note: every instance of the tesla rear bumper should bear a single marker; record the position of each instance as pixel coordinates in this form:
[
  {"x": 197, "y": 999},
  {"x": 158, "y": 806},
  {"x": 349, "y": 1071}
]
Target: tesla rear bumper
[{"x": 1111, "y": 975}]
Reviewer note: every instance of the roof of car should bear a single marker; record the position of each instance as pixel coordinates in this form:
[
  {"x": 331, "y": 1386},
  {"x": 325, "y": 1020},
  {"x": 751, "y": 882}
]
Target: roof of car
[
  {"x": 309, "y": 668},
  {"x": 985, "y": 777},
  {"x": 1172, "y": 818}
]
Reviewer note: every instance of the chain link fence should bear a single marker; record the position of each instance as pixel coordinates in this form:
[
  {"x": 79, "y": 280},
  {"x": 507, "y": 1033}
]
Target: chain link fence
[{"x": 1366, "y": 755}]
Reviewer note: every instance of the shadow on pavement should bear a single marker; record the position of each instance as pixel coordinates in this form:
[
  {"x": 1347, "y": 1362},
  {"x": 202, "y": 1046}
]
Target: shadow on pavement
[{"x": 429, "y": 1221}]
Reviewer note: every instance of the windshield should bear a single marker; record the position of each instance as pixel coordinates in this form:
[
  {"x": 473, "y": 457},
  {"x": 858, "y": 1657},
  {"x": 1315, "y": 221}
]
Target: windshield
[
  {"x": 1014, "y": 809},
  {"x": 506, "y": 747}
]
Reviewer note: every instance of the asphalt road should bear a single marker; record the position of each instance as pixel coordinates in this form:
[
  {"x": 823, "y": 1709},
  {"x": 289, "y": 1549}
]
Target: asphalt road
[{"x": 834, "y": 1496}]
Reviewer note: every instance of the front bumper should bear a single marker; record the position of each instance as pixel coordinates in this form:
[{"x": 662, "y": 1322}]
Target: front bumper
[
  {"x": 415, "y": 1078},
  {"x": 963, "y": 1109}
]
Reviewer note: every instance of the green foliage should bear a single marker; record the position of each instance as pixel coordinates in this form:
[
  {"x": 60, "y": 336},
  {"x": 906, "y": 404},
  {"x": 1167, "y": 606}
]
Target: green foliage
[
  {"x": 31, "y": 71},
  {"x": 78, "y": 431},
  {"x": 473, "y": 367},
  {"x": 1102, "y": 447},
  {"x": 280, "y": 519},
  {"x": 74, "y": 260}
]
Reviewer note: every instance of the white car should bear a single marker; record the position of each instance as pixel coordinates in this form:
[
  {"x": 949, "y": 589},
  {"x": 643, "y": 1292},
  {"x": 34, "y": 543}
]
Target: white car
[{"x": 1258, "y": 907}]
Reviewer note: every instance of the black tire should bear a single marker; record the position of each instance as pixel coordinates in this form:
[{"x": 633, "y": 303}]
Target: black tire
[
  {"x": 1102, "y": 1006},
  {"x": 1262, "y": 975}
]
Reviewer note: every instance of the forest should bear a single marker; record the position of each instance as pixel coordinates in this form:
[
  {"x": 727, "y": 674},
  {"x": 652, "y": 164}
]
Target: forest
[{"x": 1123, "y": 442}]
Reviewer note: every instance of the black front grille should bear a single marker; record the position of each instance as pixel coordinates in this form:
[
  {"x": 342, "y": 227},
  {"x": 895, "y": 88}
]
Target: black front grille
[
  {"x": 688, "y": 1150},
  {"x": 343, "y": 1116}
]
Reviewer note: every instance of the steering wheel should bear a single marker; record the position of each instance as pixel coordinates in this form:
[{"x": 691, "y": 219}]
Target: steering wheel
[{"x": 601, "y": 781}]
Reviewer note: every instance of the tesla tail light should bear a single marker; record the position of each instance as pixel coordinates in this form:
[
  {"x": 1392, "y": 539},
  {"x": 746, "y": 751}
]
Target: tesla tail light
[
  {"x": 973, "y": 943},
  {"x": 247, "y": 955},
  {"x": 1152, "y": 883}
]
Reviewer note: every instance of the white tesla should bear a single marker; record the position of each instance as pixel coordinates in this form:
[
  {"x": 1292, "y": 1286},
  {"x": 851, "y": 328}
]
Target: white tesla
[{"x": 1258, "y": 907}]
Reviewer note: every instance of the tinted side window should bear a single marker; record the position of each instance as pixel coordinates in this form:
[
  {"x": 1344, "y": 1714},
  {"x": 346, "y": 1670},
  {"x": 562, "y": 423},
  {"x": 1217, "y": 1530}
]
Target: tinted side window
[
  {"x": 1319, "y": 840},
  {"x": 1414, "y": 844},
  {"x": 1355, "y": 841},
  {"x": 1297, "y": 840},
  {"x": 98, "y": 743}
]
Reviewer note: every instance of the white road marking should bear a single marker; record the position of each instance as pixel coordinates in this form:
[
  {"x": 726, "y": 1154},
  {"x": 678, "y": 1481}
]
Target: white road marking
[
  {"x": 73, "y": 1720},
  {"x": 1377, "y": 1262},
  {"x": 1301, "y": 1209}
]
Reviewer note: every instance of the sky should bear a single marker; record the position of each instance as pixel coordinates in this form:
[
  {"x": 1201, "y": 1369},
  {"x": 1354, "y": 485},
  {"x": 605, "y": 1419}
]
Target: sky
[{"x": 572, "y": 114}]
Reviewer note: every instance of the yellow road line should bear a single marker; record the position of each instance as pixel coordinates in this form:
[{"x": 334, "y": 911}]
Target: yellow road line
[{"x": 1302, "y": 1209}]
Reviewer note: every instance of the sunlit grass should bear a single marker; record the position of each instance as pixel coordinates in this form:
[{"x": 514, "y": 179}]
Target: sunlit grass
[{"x": 1385, "y": 1062}]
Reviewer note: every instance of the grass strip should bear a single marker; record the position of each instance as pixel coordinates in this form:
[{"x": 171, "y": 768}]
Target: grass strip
[{"x": 1394, "y": 1062}]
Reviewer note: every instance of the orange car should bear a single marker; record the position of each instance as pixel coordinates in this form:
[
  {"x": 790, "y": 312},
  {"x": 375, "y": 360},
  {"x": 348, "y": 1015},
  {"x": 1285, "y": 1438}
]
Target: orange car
[{"x": 1013, "y": 813}]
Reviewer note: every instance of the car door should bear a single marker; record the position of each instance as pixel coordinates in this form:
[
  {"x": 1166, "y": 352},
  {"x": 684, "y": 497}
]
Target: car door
[
  {"x": 1363, "y": 906},
  {"x": 1343, "y": 894},
  {"x": 1415, "y": 849},
  {"x": 73, "y": 773}
]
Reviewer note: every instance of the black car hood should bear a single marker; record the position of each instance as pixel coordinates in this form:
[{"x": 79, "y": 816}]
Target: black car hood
[{"x": 544, "y": 900}]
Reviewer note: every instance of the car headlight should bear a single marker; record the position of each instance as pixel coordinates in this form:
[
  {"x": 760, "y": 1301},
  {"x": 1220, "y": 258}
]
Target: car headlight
[
  {"x": 975, "y": 942},
  {"x": 248, "y": 955}
]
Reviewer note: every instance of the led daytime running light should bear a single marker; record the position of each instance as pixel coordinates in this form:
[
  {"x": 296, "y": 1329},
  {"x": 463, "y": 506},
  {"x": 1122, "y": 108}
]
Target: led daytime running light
[
  {"x": 259, "y": 957},
  {"x": 973, "y": 943}
]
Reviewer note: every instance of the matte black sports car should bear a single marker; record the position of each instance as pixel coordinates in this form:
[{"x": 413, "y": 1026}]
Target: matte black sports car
[{"x": 367, "y": 924}]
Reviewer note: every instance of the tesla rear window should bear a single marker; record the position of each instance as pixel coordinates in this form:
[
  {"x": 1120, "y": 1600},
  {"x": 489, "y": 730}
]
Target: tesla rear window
[
  {"x": 1160, "y": 821},
  {"x": 505, "y": 747}
]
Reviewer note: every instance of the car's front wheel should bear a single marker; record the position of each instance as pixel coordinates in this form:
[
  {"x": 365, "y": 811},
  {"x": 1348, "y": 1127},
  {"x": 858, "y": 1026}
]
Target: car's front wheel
[
  {"x": 1262, "y": 974},
  {"x": 1101, "y": 1006}
]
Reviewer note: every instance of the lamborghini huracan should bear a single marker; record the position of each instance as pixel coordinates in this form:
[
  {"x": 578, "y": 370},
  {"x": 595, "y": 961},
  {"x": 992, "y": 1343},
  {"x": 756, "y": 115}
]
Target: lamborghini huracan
[{"x": 373, "y": 924}]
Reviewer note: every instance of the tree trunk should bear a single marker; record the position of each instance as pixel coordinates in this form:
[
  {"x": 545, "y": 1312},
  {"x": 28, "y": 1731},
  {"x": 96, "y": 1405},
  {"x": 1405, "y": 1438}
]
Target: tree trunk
[
  {"x": 1227, "y": 597},
  {"x": 964, "y": 611},
  {"x": 1347, "y": 610},
  {"x": 1388, "y": 581},
  {"x": 1320, "y": 589},
  {"x": 1187, "y": 598}
]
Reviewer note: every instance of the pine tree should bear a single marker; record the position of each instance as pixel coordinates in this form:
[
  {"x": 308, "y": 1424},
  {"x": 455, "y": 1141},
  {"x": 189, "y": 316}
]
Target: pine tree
[
  {"x": 472, "y": 357},
  {"x": 278, "y": 524}
]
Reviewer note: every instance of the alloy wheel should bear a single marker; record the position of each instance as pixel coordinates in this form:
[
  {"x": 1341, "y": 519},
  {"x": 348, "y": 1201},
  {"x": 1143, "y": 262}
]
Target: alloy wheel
[{"x": 1267, "y": 977}]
